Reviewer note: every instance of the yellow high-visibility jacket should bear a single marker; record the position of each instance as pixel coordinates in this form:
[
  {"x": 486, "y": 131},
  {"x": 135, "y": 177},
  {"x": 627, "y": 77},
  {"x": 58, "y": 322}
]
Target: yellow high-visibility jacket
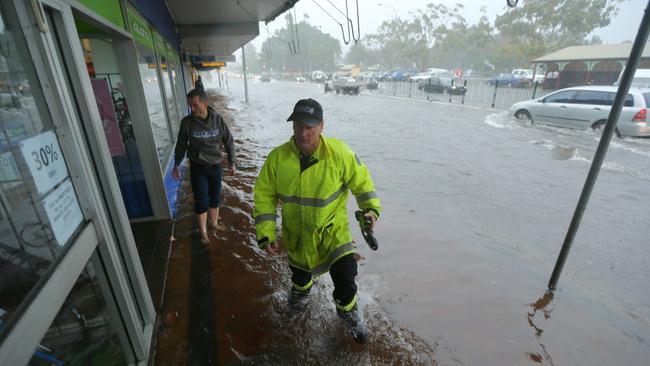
[{"x": 315, "y": 230}]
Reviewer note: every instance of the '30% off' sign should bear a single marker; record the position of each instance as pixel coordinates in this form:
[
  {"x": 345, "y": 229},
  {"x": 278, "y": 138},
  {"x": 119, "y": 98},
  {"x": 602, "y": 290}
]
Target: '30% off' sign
[{"x": 43, "y": 156}]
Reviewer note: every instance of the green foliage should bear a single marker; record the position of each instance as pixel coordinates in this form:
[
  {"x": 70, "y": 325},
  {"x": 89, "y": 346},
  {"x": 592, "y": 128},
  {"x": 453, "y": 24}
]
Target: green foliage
[
  {"x": 359, "y": 53},
  {"x": 539, "y": 27},
  {"x": 439, "y": 36},
  {"x": 253, "y": 62},
  {"x": 315, "y": 50}
]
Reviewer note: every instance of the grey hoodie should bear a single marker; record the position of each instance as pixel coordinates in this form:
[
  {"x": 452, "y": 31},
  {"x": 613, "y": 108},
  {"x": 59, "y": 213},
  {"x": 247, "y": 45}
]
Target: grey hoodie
[{"x": 205, "y": 140}]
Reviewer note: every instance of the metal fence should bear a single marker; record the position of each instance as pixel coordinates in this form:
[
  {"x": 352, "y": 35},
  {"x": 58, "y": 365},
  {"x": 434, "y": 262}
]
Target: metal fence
[{"x": 477, "y": 92}]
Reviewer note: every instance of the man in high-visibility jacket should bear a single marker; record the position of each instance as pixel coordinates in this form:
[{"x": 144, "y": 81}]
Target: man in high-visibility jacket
[{"x": 310, "y": 176}]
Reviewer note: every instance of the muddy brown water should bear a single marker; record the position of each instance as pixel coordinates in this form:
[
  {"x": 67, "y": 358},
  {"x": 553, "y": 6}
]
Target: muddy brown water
[{"x": 475, "y": 210}]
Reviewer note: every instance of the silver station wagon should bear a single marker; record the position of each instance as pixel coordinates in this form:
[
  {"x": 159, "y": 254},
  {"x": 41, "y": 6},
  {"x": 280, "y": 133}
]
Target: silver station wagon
[{"x": 588, "y": 107}]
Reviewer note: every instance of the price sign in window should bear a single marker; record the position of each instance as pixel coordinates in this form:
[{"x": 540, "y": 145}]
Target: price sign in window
[{"x": 43, "y": 157}]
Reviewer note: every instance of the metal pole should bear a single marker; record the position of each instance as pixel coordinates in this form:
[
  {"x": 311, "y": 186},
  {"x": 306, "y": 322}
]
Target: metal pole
[
  {"x": 449, "y": 90},
  {"x": 462, "y": 100},
  {"x": 243, "y": 61},
  {"x": 610, "y": 127}
]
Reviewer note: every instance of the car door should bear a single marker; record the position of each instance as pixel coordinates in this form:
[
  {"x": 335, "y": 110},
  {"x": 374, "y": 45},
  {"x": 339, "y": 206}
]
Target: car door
[
  {"x": 588, "y": 107},
  {"x": 554, "y": 108}
]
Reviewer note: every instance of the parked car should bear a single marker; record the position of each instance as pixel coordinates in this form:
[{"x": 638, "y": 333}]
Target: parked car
[
  {"x": 420, "y": 76},
  {"x": 588, "y": 107},
  {"x": 399, "y": 75},
  {"x": 318, "y": 76},
  {"x": 441, "y": 81},
  {"x": 509, "y": 80},
  {"x": 385, "y": 75},
  {"x": 343, "y": 84},
  {"x": 372, "y": 84},
  {"x": 366, "y": 75},
  {"x": 641, "y": 78},
  {"x": 528, "y": 75}
]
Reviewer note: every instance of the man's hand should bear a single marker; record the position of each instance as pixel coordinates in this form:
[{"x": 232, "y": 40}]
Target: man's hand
[
  {"x": 372, "y": 217},
  {"x": 232, "y": 169},
  {"x": 273, "y": 248},
  {"x": 176, "y": 173}
]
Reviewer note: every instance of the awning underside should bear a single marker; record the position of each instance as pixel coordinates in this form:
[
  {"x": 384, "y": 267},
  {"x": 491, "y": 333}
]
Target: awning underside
[{"x": 219, "y": 27}]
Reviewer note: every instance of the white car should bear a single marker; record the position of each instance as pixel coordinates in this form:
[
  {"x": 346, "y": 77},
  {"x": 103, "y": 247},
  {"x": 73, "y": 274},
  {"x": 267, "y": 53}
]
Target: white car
[
  {"x": 420, "y": 76},
  {"x": 528, "y": 74},
  {"x": 587, "y": 107},
  {"x": 641, "y": 78}
]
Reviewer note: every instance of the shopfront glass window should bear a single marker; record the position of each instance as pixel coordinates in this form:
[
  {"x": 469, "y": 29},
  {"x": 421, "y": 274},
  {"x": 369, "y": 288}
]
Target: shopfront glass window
[
  {"x": 177, "y": 79},
  {"x": 83, "y": 332},
  {"x": 180, "y": 80},
  {"x": 169, "y": 94},
  {"x": 39, "y": 211},
  {"x": 161, "y": 132},
  {"x": 110, "y": 95}
]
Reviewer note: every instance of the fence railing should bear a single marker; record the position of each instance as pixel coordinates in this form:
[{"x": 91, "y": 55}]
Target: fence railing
[{"x": 470, "y": 91}]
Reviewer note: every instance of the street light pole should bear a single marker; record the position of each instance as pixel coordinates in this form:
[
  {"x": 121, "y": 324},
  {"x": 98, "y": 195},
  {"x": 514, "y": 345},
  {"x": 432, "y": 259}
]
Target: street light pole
[
  {"x": 243, "y": 60},
  {"x": 389, "y": 6}
]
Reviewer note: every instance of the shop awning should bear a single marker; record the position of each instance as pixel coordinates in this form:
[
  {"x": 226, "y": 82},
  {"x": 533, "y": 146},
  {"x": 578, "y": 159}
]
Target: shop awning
[{"x": 219, "y": 27}]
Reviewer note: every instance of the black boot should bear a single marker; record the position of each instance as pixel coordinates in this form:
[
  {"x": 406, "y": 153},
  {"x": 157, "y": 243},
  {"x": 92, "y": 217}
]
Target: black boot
[
  {"x": 354, "y": 324},
  {"x": 298, "y": 299}
]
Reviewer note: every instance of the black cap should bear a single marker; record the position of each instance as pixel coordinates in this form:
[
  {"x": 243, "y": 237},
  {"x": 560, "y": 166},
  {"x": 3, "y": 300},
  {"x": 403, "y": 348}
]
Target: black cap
[{"x": 307, "y": 111}]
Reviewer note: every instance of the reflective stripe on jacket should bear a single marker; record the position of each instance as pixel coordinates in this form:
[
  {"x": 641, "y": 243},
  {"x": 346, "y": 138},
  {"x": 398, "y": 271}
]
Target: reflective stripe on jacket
[{"x": 315, "y": 231}]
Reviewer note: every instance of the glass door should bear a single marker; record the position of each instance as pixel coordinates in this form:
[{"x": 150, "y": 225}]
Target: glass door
[
  {"x": 79, "y": 274},
  {"x": 40, "y": 214}
]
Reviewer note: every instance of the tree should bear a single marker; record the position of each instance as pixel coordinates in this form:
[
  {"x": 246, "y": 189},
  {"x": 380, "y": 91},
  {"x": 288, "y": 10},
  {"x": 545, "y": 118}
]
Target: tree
[
  {"x": 538, "y": 27},
  {"x": 391, "y": 41},
  {"x": 439, "y": 36},
  {"x": 302, "y": 51},
  {"x": 361, "y": 54},
  {"x": 416, "y": 41},
  {"x": 253, "y": 63}
]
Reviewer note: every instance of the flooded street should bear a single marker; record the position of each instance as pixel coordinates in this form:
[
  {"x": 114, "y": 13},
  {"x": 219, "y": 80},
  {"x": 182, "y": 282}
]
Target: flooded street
[{"x": 476, "y": 207}]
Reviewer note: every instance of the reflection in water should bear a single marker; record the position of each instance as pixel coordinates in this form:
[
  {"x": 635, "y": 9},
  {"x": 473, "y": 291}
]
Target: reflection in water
[{"x": 542, "y": 304}]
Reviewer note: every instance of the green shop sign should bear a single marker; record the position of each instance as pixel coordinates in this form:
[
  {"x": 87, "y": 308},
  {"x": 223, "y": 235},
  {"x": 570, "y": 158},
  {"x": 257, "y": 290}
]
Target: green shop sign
[
  {"x": 161, "y": 45},
  {"x": 139, "y": 28},
  {"x": 109, "y": 9},
  {"x": 172, "y": 55}
]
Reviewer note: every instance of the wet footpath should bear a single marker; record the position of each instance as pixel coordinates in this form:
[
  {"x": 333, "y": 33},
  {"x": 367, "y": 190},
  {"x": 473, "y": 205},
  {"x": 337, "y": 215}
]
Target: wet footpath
[{"x": 225, "y": 303}]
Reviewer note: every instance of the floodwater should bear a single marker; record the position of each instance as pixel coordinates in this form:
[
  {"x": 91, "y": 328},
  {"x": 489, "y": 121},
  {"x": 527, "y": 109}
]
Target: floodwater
[{"x": 476, "y": 207}]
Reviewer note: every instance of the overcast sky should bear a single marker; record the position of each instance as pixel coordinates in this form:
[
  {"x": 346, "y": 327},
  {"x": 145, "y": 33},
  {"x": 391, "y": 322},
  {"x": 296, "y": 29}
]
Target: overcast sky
[{"x": 622, "y": 28}]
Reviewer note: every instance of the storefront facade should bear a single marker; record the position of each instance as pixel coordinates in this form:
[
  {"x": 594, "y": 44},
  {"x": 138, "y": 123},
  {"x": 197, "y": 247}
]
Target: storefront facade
[{"x": 89, "y": 112}]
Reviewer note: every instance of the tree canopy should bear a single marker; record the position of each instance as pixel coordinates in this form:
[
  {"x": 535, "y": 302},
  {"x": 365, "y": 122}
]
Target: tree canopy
[
  {"x": 302, "y": 51},
  {"x": 439, "y": 36}
]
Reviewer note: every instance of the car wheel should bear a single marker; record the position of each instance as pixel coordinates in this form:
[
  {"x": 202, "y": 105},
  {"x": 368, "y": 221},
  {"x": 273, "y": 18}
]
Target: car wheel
[
  {"x": 524, "y": 117},
  {"x": 599, "y": 126}
]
